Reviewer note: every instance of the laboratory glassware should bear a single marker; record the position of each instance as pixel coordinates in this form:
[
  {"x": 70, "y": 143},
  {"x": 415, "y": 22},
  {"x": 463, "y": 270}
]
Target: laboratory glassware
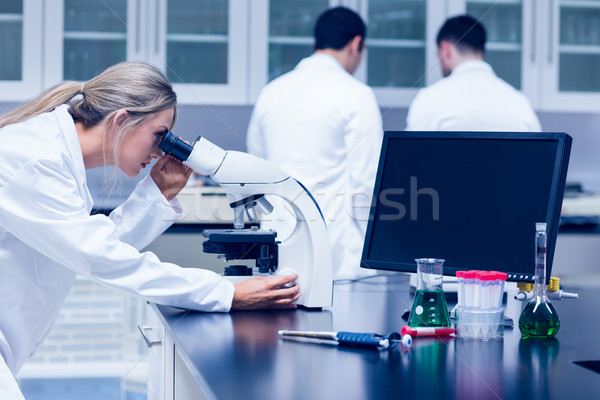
[
  {"x": 539, "y": 318},
  {"x": 429, "y": 306}
]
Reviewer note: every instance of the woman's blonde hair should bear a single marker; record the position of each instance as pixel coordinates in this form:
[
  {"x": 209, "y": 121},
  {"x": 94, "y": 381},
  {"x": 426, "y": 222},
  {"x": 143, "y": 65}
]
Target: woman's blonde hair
[{"x": 136, "y": 87}]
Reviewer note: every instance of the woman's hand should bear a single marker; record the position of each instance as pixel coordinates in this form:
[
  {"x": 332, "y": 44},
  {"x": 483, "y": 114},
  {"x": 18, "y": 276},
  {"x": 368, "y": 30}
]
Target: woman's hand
[
  {"x": 170, "y": 175},
  {"x": 265, "y": 292}
]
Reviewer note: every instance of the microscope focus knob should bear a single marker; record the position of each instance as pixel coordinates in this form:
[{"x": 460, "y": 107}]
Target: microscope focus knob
[{"x": 285, "y": 272}]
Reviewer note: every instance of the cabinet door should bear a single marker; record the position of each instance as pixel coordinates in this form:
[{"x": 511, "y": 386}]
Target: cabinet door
[
  {"x": 160, "y": 359},
  {"x": 199, "y": 44},
  {"x": 21, "y": 49},
  {"x": 503, "y": 22},
  {"x": 401, "y": 50},
  {"x": 286, "y": 38},
  {"x": 82, "y": 38},
  {"x": 399, "y": 59},
  {"x": 202, "y": 47},
  {"x": 513, "y": 46},
  {"x": 571, "y": 66},
  {"x": 512, "y": 39}
]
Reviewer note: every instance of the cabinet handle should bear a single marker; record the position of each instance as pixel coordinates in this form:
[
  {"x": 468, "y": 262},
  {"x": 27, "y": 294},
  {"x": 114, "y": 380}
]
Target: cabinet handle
[
  {"x": 156, "y": 24},
  {"x": 533, "y": 30},
  {"x": 149, "y": 343},
  {"x": 551, "y": 34},
  {"x": 137, "y": 27}
]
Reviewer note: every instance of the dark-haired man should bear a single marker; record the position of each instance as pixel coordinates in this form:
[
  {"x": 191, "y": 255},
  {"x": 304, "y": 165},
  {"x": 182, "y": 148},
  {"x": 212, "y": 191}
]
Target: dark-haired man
[
  {"x": 323, "y": 126},
  {"x": 470, "y": 97}
]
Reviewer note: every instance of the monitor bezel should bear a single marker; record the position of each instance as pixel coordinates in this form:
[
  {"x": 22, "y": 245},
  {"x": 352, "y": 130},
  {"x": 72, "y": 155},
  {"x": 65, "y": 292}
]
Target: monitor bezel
[{"x": 557, "y": 189}]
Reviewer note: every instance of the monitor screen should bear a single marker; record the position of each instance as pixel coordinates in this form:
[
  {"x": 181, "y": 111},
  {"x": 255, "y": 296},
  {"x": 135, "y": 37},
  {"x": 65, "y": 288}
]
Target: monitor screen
[{"x": 471, "y": 198}]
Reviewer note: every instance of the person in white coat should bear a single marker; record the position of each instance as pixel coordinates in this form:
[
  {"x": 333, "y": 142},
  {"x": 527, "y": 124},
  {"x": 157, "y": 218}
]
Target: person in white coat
[
  {"x": 323, "y": 126},
  {"x": 470, "y": 97},
  {"x": 47, "y": 235}
]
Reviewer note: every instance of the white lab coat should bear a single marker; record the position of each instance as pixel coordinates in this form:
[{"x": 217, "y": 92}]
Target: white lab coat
[
  {"x": 471, "y": 98},
  {"x": 47, "y": 237},
  {"x": 323, "y": 127}
]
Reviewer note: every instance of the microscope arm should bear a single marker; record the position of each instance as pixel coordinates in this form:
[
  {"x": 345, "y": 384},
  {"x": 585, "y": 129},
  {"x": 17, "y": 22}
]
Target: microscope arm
[{"x": 246, "y": 179}]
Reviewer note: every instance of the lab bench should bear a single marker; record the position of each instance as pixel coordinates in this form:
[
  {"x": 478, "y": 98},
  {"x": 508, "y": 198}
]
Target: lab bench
[{"x": 239, "y": 354}]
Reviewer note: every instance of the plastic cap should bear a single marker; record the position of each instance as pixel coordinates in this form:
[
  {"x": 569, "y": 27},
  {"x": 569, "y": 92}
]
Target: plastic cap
[
  {"x": 502, "y": 276},
  {"x": 470, "y": 274},
  {"x": 525, "y": 286},
  {"x": 487, "y": 275},
  {"x": 460, "y": 274},
  {"x": 541, "y": 226},
  {"x": 406, "y": 341},
  {"x": 478, "y": 274},
  {"x": 554, "y": 284}
]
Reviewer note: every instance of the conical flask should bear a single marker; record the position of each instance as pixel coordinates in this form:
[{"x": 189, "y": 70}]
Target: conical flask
[
  {"x": 429, "y": 306},
  {"x": 539, "y": 319}
]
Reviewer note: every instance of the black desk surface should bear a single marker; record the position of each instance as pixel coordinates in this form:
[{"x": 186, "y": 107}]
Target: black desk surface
[{"x": 239, "y": 355}]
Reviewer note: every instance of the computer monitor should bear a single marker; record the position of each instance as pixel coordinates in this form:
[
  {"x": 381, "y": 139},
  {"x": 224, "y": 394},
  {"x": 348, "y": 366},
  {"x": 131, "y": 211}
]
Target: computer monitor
[{"x": 471, "y": 198}]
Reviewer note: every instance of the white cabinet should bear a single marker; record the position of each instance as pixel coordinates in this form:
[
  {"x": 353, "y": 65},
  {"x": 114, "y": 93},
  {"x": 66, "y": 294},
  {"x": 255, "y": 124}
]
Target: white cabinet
[
  {"x": 505, "y": 45},
  {"x": 549, "y": 49},
  {"x": 513, "y": 37},
  {"x": 21, "y": 49},
  {"x": 83, "y": 38},
  {"x": 169, "y": 378},
  {"x": 570, "y": 55},
  {"x": 400, "y": 57},
  {"x": 225, "y": 51},
  {"x": 401, "y": 51},
  {"x": 161, "y": 351},
  {"x": 281, "y": 34},
  {"x": 200, "y": 44}
]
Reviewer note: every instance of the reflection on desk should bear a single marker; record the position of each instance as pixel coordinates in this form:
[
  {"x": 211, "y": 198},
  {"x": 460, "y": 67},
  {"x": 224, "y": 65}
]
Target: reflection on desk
[{"x": 239, "y": 355}]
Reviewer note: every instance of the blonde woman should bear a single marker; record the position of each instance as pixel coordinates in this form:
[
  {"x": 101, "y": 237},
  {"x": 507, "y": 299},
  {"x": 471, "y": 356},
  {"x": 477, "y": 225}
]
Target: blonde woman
[{"x": 47, "y": 235}]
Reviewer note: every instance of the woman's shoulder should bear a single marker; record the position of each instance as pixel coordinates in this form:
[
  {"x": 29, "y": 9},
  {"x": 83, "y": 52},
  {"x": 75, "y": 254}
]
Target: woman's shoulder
[{"x": 37, "y": 139}]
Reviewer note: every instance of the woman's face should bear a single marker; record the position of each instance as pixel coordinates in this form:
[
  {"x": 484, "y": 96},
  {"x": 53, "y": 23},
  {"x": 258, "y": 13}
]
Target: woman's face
[{"x": 140, "y": 145}]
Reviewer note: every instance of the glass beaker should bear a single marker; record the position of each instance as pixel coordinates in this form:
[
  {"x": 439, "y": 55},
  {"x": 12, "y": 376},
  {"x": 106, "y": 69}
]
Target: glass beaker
[{"x": 429, "y": 306}]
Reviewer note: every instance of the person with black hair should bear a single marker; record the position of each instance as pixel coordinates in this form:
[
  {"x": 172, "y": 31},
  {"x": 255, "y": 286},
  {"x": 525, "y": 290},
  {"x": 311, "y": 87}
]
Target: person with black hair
[
  {"x": 470, "y": 97},
  {"x": 323, "y": 126}
]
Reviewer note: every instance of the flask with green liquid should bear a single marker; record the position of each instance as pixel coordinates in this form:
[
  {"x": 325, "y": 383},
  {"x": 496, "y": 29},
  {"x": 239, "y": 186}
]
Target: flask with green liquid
[
  {"x": 429, "y": 305},
  {"x": 539, "y": 319}
]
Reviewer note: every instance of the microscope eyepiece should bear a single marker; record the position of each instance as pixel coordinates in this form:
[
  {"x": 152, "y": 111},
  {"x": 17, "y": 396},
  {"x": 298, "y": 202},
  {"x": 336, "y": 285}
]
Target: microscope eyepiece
[{"x": 176, "y": 147}]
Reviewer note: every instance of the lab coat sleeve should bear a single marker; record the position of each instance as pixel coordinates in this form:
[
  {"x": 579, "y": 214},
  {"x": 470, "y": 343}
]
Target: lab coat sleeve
[
  {"x": 145, "y": 215},
  {"x": 41, "y": 206},
  {"x": 363, "y": 144}
]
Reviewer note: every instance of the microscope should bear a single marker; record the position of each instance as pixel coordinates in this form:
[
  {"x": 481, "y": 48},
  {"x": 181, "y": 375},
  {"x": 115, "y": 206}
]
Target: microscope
[{"x": 252, "y": 183}]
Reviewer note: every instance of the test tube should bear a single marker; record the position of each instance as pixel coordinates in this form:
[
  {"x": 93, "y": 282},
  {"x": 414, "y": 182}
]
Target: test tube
[
  {"x": 501, "y": 278},
  {"x": 476, "y": 289},
  {"x": 492, "y": 289},
  {"x": 488, "y": 280},
  {"x": 469, "y": 277},
  {"x": 460, "y": 279}
]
